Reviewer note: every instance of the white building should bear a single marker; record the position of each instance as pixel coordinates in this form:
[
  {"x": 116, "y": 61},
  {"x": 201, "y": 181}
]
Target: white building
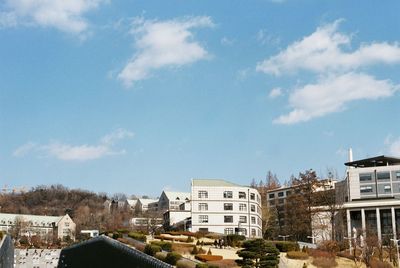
[
  {"x": 224, "y": 207},
  {"x": 143, "y": 205},
  {"x": 372, "y": 197},
  {"x": 172, "y": 200},
  {"x": 61, "y": 226}
]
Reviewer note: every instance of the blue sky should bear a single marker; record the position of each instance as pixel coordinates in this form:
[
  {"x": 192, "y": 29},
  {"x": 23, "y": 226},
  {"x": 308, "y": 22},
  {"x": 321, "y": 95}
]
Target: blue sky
[{"x": 140, "y": 96}]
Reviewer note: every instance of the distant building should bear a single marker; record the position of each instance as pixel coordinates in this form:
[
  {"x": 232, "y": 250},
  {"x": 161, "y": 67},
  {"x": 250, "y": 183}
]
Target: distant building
[
  {"x": 131, "y": 204},
  {"x": 144, "y": 205},
  {"x": 61, "y": 226},
  {"x": 224, "y": 207},
  {"x": 172, "y": 200}
]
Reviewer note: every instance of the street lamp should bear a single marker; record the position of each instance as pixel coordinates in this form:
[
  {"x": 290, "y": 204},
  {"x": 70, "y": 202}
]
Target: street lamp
[{"x": 397, "y": 250}]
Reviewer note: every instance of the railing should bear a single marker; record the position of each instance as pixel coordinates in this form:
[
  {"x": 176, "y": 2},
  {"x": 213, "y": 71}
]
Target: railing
[
  {"x": 6, "y": 252},
  {"x": 102, "y": 251}
]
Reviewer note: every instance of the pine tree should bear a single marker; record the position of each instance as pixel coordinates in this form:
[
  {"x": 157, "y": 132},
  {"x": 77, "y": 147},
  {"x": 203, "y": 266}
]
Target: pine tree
[{"x": 258, "y": 253}]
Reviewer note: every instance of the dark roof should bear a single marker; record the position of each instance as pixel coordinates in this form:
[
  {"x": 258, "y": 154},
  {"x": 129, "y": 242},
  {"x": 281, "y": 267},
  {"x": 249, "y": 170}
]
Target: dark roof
[
  {"x": 376, "y": 161},
  {"x": 104, "y": 252}
]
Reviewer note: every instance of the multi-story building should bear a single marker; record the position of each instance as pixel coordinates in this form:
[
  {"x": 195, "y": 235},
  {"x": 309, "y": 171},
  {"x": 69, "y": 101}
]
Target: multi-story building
[
  {"x": 172, "y": 200},
  {"x": 144, "y": 205},
  {"x": 371, "y": 195},
  {"x": 224, "y": 207},
  {"x": 61, "y": 226}
]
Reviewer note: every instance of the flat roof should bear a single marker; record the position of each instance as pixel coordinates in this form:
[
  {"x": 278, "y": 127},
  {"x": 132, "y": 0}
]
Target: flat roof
[
  {"x": 376, "y": 161},
  {"x": 213, "y": 182}
]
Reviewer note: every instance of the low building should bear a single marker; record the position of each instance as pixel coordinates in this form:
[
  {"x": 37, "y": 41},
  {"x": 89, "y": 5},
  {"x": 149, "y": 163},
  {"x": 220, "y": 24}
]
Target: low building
[
  {"x": 223, "y": 207},
  {"x": 29, "y": 225}
]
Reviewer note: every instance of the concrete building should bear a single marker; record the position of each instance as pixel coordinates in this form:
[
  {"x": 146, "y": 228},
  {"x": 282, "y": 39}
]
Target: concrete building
[
  {"x": 172, "y": 200},
  {"x": 144, "y": 205},
  {"x": 224, "y": 207},
  {"x": 61, "y": 226},
  {"x": 372, "y": 197}
]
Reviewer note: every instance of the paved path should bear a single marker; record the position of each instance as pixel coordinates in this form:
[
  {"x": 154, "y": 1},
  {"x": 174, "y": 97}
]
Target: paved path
[{"x": 36, "y": 258}]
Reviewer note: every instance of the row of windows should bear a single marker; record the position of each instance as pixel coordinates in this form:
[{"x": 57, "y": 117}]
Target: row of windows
[
  {"x": 229, "y": 219},
  {"x": 367, "y": 177},
  {"x": 243, "y": 231},
  {"x": 229, "y": 206},
  {"x": 280, "y": 194},
  {"x": 229, "y": 194}
]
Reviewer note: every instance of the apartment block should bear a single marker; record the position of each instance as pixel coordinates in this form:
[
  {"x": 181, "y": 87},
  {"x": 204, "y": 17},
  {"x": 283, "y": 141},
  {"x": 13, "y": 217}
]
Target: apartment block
[{"x": 224, "y": 207}]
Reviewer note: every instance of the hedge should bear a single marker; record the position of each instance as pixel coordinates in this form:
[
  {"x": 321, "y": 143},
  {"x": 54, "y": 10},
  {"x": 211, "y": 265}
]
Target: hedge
[
  {"x": 297, "y": 255},
  {"x": 203, "y": 257},
  {"x": 285, "y": 246},
  {"x": 172, "y": 258},
  {"x": 151, "y": 249},
  {"x": 205, "y": 265},
  {"x": 167, "y": 246},
  {"x": 137, "y": 236}
]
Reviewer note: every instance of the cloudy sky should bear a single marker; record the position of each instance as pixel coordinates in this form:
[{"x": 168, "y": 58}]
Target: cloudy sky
[{"x": 137, "y": 96}]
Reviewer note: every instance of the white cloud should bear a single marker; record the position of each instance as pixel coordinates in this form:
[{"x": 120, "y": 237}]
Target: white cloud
[
  {"x": 327, "y": 50},
  {"x": 64, "y": 15},
  {"x": 393, "y": 146},
  {"x": 83, "y": 152},
  {"x": 163, "y": 44},
  {"x": 275, "y": 92},
  {"x": 225, "y": 41},
  {"x": 331, "y": 94},
  {"x": 266, "y": 38}
]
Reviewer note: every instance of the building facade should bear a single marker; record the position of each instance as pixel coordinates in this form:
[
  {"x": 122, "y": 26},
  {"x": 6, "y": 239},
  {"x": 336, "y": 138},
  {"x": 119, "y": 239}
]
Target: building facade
[
  {"x": 224, "y": 207},
  {"x": 170, "y": 201},
  {"x": 43, "y": 226},
  {"x": 372, "y": 197}
]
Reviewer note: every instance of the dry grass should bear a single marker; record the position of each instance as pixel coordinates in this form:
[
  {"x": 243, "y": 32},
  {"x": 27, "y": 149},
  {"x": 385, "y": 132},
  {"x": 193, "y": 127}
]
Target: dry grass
[{"x": 224, "y": 263}]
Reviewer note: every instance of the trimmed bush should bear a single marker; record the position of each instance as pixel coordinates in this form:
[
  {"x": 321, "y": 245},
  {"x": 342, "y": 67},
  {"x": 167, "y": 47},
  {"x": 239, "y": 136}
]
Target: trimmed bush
[
  {"x": 173, "y": 257},
  {"x": 330, "y": 246},
  {"x": 189, "y": 239},
  {"x": 201, "y": 251},
  {"x": 209, "y": 252},
  {"x": 194, "y": 251},
  {"x": 205, "y": 265},
  {"x": 205, "y": 258},
  {"x": 297, "y": 255},
  {"x": 161, "y": 256},
  {"x": 116, "y": 235},
  {"x": 234, "y": 240},
  {"x": 285, "y": 246},
  {"x": 151, "y": 249},
  {"x": 137, "y": 236},
  {"x": 167, "y": 246}
]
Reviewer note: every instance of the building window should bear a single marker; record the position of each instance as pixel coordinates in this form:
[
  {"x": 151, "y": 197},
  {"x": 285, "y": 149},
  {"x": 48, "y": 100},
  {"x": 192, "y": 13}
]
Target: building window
[
  {"x": 281, "y": 201},
  {"x": 272, "y": 203},
  {"x": 242, "y": 219},
  {"x": 203, "y": 230},
  {"x": 253, "y": 232},
  {"x": 203, "y": 218},
  {"x": 259, "y": 221},
  {"x": 228, "y": 206},
  {"x": 252, "y": 196},
  {"x": 288, "y": 193},
  {"x": 203, "y": 206},
  {"x": 228, "y": 231},
  {"x": 228, "y": 194},
  {"x": 253, "y": 208},
  {"x": 271, "y": 195},
  {"x": 258, "y": 199},
  {"x": 383, "y": 175},
  {"x": 228, "y": 219},
  {"x": 366, "y": 189},
  {"x": 253, "y": 220},
  {"x": 387, "y": 189},
  {"x": 242, "y": 207},
  {"x": 365, "y": 177},
  {"x": 242, "y": 195},
  {"x": 203, "y": 194},
  {"x": 281, "y": 194},
  {"x": 398, "y": 175},
  {"x": 66, "y": 224}
]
